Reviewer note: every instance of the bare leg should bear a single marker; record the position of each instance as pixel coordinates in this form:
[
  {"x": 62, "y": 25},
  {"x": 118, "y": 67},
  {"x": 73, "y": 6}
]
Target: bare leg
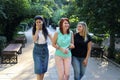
[
  {"x": 67, "y": 64},
  {"x": 40, "y": 76},
  {"x": 60, "y": 68}
]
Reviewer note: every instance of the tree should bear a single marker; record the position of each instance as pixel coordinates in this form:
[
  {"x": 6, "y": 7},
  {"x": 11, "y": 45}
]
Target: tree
[
  {"x": 14, "y": 11},
  {"x": 101, "y": 17}
]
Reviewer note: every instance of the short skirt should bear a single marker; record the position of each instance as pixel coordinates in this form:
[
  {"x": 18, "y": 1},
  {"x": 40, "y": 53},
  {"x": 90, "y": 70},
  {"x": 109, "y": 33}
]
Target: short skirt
[{"x": 40, "y": 57}]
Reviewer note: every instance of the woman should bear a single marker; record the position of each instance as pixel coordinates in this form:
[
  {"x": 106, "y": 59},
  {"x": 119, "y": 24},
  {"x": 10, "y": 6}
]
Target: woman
[
  {"x": 81, "y": 52},
  {"x": 63, "y": 41},
  {"x": 40, "y": 51}
]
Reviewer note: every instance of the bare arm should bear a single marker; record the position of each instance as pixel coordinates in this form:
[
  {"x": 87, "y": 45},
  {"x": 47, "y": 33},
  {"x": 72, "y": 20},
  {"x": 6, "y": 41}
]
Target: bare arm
[
  {"x": 89, "y": 49},
  {"x": 88, "y": 54},
  {"x": 35, "y": 37},
  {"x": 50, "y": 37},
  {"x": 72, "y": 42},
  {"x": 54, "y": 42}
]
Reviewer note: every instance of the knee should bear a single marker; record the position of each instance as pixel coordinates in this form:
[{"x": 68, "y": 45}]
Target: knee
[
  {"x": 61, "y": 76},
  {"x": 67, "y": 75}
]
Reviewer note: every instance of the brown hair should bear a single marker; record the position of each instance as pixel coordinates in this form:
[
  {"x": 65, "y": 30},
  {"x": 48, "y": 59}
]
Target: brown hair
[{"x": 61, "y": 24}]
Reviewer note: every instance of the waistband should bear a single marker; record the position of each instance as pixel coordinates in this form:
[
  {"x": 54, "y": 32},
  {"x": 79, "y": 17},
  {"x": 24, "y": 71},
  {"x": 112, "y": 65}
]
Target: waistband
[{"x": 40, "y": 44}]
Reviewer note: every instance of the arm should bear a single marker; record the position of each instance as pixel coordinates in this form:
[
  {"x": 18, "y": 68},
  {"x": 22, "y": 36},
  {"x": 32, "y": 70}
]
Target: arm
[
  {"x": 50, "y": 37},
  {"x": 35, "y": 37},
  {"x": 89, "y": 49},
  {"x": 88, "y": 53},
  {"x": 72, "y": 42},
  {"x": 54, "y": 42}
]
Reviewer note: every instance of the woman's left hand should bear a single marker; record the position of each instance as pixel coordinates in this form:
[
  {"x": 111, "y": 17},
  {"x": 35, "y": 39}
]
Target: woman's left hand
[
  {"x": 85, "y": 62},
  {"x": 66, "y": 50}
]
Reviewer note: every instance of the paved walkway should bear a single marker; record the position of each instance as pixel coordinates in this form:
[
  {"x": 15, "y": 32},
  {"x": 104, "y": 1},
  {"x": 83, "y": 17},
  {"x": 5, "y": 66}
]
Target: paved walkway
[{"x": 97, "y": 69}]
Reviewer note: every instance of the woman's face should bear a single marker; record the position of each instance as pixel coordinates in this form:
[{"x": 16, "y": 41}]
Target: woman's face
[
  {"x": 38, "y": 22},
  {"x": 66, "y": 25},
  {"x": 79, "y": 28}
]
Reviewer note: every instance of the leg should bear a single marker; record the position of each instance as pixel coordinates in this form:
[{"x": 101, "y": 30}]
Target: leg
[
  {"x": 76, "y": 67},
  {"x": 67, "y": 64},
  {"x": 40, "y": 76},
  {"x": 60, "y": 68},
  {"x": 82, "y": 68}
]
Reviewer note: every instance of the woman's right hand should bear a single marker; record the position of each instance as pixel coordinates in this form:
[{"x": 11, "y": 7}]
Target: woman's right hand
[
  {"x": 37, "y": 27},
  {"x": 72, "y": 46},
  {"x": 65, "y": 50}
]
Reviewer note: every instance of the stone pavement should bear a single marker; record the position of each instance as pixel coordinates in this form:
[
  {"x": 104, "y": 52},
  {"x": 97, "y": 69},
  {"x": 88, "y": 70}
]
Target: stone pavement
[{"x": 98, "y": 69}]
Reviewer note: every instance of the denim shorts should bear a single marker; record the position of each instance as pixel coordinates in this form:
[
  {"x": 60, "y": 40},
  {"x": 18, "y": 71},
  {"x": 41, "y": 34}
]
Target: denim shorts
[{"x": 40, "y": 57}]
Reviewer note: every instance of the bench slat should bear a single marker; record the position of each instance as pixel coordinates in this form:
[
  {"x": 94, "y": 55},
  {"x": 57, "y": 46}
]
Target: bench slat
[{"x": 13, "y": 47}]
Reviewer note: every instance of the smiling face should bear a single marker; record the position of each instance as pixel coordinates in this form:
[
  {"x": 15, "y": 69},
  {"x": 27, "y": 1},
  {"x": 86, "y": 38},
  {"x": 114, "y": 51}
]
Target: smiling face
[
  {"x": 66, "y": 25},
  {"x": 80, "y": 28}
]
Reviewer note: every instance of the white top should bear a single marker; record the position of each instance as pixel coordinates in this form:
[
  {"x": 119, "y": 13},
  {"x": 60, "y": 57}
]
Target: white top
[{"x": 41, "y": 39}]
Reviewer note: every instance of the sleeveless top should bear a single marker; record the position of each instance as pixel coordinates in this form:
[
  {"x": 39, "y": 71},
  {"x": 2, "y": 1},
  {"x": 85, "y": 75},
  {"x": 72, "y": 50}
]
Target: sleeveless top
[{"x": 64, "y": 41}]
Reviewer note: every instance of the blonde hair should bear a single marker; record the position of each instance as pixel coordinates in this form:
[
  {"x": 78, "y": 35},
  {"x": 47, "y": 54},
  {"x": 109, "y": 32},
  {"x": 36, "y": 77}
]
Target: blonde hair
[{"x": 85, "y": 29}]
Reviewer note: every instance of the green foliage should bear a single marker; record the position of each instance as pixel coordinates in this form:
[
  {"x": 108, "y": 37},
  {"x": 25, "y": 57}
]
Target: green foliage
[
  {"x": 102, "y": 16},
  {"x": 97, "y": 39},
  {"x": 3, "y": 41},
  {"x": 28, "y": 21},
  {"x": 15, "y": 8},
  {"x": 73, "y": 21},
  {"x": 57, "y": 15},
  {"x": 35, "y": 9},
  {"x": 14, "y": 11}
]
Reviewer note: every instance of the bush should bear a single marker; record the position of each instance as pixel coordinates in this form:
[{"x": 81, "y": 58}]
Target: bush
[
  {"x": 3, "y": 41},
  {"x": 97, "y": 39}
]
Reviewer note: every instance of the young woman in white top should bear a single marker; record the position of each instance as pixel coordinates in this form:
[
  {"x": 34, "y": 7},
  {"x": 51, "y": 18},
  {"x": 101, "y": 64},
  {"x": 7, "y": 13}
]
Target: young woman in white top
[{"x": 40, "y": 50}]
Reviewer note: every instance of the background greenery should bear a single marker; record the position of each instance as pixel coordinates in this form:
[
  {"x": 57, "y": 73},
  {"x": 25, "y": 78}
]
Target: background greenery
[{"x": 102, "y": 16}]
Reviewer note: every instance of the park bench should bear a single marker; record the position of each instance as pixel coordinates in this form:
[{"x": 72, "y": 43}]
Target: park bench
[
  {"x": 21, "y": 39},
  {"x": 97, "y": 51},
  {"x": 9, "y": 54}
]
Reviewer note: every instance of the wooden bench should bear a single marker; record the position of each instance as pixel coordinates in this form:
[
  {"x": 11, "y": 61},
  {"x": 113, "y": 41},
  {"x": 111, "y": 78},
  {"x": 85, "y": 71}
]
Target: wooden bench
[
  {"x": 9, "y": 54},
  {"x": 21, "y": 39}
]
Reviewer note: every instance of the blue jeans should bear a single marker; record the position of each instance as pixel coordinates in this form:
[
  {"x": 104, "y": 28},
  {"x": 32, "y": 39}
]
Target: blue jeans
[{"x": 78, "y": 67}]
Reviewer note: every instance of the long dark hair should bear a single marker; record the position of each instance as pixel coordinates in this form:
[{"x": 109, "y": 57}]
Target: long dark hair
[
  {"x": 61, "y": 24},
  {"x": 44, "y": 30}
]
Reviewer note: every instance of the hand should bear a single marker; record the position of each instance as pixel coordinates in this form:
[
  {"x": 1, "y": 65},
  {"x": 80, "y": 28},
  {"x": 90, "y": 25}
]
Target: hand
[
  {"x": 65, "y": 50},
  {"x": 72, "y": 46},
  {"x": 85, "y": 62},
  {"x": 37, "y": 27},
  {"x": 57, "y": 47}
]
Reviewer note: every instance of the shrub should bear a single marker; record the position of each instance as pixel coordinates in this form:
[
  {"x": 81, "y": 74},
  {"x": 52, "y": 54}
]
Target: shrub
[
  {"x": 97, "y": 39},
  {"x": 3, "y": 41}
]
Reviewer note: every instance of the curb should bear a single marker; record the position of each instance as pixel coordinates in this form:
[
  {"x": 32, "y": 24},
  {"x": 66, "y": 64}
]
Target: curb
[{"x": 118, "y": 65}]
